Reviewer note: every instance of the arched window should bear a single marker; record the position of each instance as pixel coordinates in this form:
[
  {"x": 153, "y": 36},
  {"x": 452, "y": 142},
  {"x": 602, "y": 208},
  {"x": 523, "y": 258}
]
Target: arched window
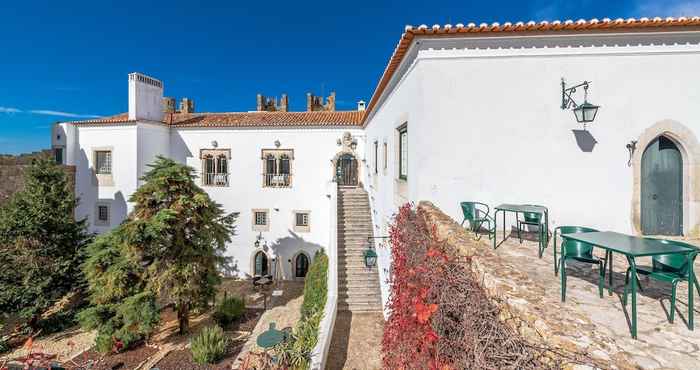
[
  {"x": 260, "y": 264},
  {"x": 222, "y": 164},
  {"x": 301, "y": 265}
]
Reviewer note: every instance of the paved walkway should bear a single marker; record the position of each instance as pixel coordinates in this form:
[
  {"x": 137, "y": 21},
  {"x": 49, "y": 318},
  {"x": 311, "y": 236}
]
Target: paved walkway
[
  {"x": 661, "y": 345},
  {"x": 357, "y": 341}
]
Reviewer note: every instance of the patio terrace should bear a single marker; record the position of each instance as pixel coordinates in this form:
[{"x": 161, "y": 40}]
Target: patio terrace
[{"x": 593, "y": 330}]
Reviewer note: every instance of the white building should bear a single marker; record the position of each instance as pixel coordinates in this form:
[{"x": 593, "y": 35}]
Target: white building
[
  {"x": 274, "y": 168},
  {"x": 461, "y": 113}
]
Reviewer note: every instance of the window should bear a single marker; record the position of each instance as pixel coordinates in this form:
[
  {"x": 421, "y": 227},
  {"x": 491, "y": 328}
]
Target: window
[
  {"x": 302, "y": 221},
  {"x": 277, "y": 167},
  {"x": 58, "y": 155},
  {"x": 103, "y": 162},
  {"x": 386, "y": 156},
  {"x": 102, "y": 215},
  {"x": 376, "y": 157},
  {"x": 261, "y": 221},
  {"x": 215, "y": 167},
  {"x": 403, "y": 152}
]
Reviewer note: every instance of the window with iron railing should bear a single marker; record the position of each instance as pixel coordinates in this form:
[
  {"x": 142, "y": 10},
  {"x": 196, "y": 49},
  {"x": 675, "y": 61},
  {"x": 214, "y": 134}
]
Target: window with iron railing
[
  {"x": 215, "y": 169},
  {"x": 277, "y": 168}
]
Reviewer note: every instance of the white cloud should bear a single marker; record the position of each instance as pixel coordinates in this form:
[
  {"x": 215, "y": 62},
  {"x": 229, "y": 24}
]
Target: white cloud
[
  {"x": 9, "y": 110},
  {"x": 667, "y": 8},
  {"x": 62, "y": 114}
]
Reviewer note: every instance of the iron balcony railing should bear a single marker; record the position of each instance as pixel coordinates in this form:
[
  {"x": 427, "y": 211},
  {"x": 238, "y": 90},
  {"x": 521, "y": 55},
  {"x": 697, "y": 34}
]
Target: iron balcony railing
[
  {"x": 283, "y": 180},
  {"x": 215, "y": 179}
]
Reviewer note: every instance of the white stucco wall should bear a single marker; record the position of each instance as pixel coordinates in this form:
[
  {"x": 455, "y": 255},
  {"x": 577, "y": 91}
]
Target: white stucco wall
[
  {"x": 311, "y": 172},
  {"x": 121, "y": 140},
  {"x": 485, "y": 123}
]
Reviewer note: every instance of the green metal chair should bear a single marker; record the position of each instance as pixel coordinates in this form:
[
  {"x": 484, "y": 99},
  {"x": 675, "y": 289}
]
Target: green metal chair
[
  {"x": 579, "y": 251},
  {"x": 532, "y": 219},
  {"x": 478, "y": 214},
  {"x": 669, "y": 268}
]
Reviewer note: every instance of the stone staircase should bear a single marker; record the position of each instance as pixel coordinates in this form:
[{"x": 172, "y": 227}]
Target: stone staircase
[{"x": 358, "y": 286}]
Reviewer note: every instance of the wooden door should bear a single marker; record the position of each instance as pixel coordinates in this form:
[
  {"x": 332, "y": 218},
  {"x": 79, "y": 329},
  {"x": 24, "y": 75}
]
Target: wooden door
[
  {"x": 662, "y": 188},
  {"x": 346, "y": 170}
]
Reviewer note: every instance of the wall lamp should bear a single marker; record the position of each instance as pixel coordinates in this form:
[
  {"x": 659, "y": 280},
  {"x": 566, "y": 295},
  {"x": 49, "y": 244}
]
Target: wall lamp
[
  {"x": 631, "y": 148},
  {"x": 584, "y": 113}
]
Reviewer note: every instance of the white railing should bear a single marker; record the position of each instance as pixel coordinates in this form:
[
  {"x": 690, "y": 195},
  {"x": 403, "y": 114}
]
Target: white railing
[
  {"x": 325, "y": 328},
  {"x": 215, "y": 179},
  {"x": 283, "y": 180}
]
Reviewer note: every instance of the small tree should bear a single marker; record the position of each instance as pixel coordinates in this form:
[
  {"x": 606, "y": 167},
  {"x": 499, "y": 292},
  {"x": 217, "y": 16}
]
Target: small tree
[
  {"x": 171, "y": 247},
  {"x": 41, "y": 243}
]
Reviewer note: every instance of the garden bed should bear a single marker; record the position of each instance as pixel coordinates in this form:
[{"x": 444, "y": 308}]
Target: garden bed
[
  {"x": 125, "y": 360},
  {"x": 182, "y": 358}
]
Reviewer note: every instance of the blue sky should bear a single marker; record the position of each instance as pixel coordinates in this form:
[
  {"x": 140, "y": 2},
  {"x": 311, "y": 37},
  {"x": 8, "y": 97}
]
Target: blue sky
[{"x": 70, "y": 59}]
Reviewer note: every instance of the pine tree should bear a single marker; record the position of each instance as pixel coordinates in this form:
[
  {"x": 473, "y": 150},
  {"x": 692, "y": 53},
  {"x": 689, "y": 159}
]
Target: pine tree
[
  {"x": 169, "y": 250},
  {"x": 41, "y": 243}
]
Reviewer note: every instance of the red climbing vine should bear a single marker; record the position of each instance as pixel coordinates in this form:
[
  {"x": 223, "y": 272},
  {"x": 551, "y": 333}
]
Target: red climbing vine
[{"x": 440, "y": 317}]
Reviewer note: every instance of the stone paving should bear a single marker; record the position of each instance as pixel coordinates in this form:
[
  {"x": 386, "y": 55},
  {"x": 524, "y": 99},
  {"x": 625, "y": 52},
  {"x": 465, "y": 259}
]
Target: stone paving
[
  {"x": 660, "y": 344},
  {"x": 357, "y": 341}
]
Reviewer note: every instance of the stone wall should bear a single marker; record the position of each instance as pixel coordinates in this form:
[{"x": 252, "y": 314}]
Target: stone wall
[
  {"x": 13, "y": 168},
  {"x": 525, "y": 307}
]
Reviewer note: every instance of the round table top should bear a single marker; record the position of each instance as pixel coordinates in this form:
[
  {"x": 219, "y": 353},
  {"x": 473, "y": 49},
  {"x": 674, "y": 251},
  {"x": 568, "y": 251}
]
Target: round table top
[{"x": 271, "y": 337}]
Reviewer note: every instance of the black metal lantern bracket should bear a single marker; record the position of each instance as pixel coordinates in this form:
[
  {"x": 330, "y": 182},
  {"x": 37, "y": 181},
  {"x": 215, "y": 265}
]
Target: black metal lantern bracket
[{"x": 585, "y": 112}]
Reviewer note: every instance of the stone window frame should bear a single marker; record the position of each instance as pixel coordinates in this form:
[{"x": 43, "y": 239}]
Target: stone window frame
[
  {"x": 386, "y": 156},
  {"x": 97, "y": 220},
  {"x": 277, "y": 154},
  {"x": 217, "y": 155},
  {"x": 103, "y": 179},
  {"x": 401, "y": 131},
  {"x": 257, "y": 227},
  {"x": 301, "y": 228}
]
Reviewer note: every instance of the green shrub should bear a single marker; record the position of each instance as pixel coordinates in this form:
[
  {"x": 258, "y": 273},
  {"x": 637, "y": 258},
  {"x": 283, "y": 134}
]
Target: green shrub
[
  {"x": 315, "y": 286},
  {"x": 229, "y": 310},
  {"x": 209, "y": 345}
]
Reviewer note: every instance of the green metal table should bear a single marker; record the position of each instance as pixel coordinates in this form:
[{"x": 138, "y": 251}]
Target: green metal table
[
  {"x": 521, "y": 208},
  {"x": 270, "y": 337},
  {"x": 633, "y": 247}
]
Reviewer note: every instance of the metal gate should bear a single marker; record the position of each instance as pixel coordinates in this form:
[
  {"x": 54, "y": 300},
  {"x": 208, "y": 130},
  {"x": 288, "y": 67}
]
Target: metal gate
[
  {"x": 346, "y": 170},
  {"x": 662, "y": 188}
]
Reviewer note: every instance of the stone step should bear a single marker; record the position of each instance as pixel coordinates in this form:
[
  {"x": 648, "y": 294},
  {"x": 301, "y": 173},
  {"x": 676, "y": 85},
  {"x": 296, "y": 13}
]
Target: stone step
[
  {"x": 357, "y": 278},
  {"x": 359, "y": 308},
  {"x": 358, "y": 291}
]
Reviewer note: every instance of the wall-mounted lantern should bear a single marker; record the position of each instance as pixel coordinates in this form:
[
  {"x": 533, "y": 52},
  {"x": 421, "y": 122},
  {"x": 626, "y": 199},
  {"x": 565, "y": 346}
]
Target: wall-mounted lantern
[
  {"x": 277, "y": 143},
  {"x": 258, "y": 239},
  {"x": 214, "y": 144},
  {"x": 585, "y": 112},
  {"x": 631, "y": 148},
  {"x": 370, "y": 256}
]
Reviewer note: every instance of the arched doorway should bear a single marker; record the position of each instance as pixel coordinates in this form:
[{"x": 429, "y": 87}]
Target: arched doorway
[
  {"x": 662, "y": 188},
  {"x": 260, "y": 264},
  {"x": 301, "y": 265},
  {"x": 346, "y": 170}
]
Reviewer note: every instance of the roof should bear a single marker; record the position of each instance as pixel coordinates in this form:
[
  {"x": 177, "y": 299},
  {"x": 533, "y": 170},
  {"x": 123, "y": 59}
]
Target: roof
[
  {"x": 250, "y": 119},
  {"x": 449, "y": 30}
]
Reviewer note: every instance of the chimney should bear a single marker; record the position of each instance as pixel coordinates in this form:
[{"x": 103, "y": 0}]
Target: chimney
[
  {"x": 186, "y": 105},
  {"x": 259, "y": 103},
  {"x": 330, "y": 103},
  {"x": 168, "y": 105},
  {"x": 145, "y": 98},
  {"x": 284, "y": 104},
  {"x": 309, "y": 102},
  {"x": 361, "y": 106}
]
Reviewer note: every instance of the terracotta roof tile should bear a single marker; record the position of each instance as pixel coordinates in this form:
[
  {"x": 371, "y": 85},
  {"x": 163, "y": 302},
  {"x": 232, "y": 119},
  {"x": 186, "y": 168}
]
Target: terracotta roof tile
[
  {"x": 520, "y": 27},
  {"x": 252, "y": 119}
]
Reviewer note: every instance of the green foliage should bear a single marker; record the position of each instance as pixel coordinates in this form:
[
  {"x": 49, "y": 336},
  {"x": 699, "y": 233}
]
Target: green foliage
[
  {"x": 41, "y": 244},
  {"x": 296, "y": 351},
  {"x": 315, "y": 286},
  {"x": 169, "y": 250},
  {"x": 4, "y": 347},
  {"x": 209, "y": 345},
  {"x": 229, "y": 310}
]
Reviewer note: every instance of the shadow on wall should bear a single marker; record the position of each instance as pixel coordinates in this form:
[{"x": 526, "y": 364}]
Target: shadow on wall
[
  {"x": 285, "y": 250},
  {"x": 585, "y": 141},
  {"x": 179, "y": 151}
]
